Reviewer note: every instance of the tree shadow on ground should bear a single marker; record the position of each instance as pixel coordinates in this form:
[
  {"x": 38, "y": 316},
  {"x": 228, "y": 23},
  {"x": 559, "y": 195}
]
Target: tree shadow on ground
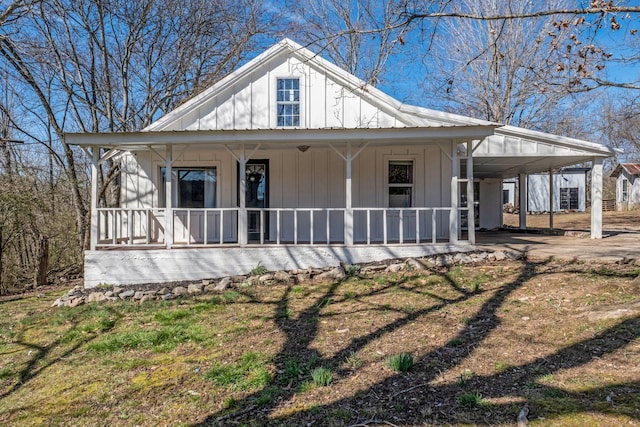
[
  {"x": 417, "y": 397},
  {"x": 42, "y": 357}
]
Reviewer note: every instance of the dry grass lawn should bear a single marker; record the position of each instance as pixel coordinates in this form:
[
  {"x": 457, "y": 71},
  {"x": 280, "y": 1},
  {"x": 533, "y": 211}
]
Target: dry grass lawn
[{"x": 485, "y": 340}]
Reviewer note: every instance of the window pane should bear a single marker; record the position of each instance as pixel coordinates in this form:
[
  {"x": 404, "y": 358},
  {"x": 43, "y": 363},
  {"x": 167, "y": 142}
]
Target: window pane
[
  {"x": 400, "y": 197},
  {"x": 190, "y": 189},
  {"x": 288, "y": 102},
  {"x": 193, "y": 188},
  {"x": 401, "y": 172}
]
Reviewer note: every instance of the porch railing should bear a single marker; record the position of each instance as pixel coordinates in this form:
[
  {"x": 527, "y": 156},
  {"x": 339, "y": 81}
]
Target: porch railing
[{"x": 274, "y": 226}]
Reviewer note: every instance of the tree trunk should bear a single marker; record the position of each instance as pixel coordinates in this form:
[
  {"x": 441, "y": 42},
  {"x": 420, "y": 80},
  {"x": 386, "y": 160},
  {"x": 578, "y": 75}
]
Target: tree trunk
[{"x": 40, "y": 278}]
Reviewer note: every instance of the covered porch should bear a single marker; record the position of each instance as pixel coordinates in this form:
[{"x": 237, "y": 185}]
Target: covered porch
[{"x": 395, "y": 212}]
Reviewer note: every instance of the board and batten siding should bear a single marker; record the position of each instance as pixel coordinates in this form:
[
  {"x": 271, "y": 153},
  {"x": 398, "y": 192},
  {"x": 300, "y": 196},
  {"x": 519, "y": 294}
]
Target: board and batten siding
[
  {"x": 313, "y": 179},
  {"x": 250, "y": 102},
  {"x": 538, "y": 190},
  {"x": 633, "y": 191}
]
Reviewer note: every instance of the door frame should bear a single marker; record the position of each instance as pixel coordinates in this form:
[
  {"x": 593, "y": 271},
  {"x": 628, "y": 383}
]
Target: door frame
[{"x": 264, "y": 162}]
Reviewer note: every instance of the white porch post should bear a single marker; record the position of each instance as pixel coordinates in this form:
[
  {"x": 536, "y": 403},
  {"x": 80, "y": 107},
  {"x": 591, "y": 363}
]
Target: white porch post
[
  {"x": 168, "y": 203},
  {"x": 522, "y": 190},
  {"x": 95, "y": 158},
  {"x": 454, "y": 217},
  {"x": 550, "y": 199},
  {"x": 596, "y": 198},
  {"x": 348, "y": 216},
  {"x": 242, "y": 216},
  {"x": 471, "y": 202}
]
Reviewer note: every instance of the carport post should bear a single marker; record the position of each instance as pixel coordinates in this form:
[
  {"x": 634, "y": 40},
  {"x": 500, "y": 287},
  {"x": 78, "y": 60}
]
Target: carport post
[
  {"x": 550, "y": 199},
  {"x": 168, "y": 203},
  {"x": 454, "y": 214},
  {"x": 95, "y": 158},
  {"x": 596, "y": 198},
  {"x": 522, "y": 189}
]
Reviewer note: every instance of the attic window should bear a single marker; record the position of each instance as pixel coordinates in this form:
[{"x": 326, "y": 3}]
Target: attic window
[{"x": 288, "y": 102}]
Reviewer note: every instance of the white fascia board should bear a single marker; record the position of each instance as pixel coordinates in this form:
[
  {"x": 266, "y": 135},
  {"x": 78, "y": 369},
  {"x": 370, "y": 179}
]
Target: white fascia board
[
  {"x": 578, "y": 144},
  {"x": 294, "y": 137},
  {"x": 434, "y": 115}
]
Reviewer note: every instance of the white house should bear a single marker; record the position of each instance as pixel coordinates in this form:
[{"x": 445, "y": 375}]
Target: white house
[
  {"x": 292, "y": 162},
  {"x": 569, "y": 190},
  {"x": 627, "y": 185}
]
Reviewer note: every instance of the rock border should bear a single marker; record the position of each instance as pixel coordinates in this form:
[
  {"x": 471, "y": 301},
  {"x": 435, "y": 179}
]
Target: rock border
[{"x": 168, "y": 291}]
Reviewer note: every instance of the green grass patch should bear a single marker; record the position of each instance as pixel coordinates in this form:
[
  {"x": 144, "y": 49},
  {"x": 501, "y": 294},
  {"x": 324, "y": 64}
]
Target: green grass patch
[
  {"x": 249, "y": 373},
  {"x": 160, "y": 340},
  {"x": 171, "y": 316}
]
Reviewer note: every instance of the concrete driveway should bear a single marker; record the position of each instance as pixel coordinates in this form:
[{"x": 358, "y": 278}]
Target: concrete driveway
[{"x": 615, "y": 247}]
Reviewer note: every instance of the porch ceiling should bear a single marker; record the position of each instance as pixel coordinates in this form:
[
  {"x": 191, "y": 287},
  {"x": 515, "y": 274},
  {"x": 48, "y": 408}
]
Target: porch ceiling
[{"x": 508, "y": 167}]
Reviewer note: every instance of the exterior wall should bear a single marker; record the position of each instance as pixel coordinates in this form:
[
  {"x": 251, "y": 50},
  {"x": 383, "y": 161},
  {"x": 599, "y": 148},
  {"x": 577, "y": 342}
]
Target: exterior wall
[
  {"x": 490, "y": 204},
  {"x": 250, "y": 102},
  {"x": 313, "y": 179},
  {"x": 633, "y": 188},
  {"x": 158, "y": 265},
  {"x": 510, "y": 188},
  {"x": 538, "y": 190}
]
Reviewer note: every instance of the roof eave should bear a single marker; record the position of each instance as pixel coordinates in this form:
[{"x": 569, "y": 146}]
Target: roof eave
[{"x": 298, "y": 136}]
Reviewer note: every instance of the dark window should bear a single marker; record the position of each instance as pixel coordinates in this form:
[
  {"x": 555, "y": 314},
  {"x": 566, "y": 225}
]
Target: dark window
[
  {"x": 193, "y": 187},
  {"x": 569, "y": 199},
  {"x": 400, "y": 184}
]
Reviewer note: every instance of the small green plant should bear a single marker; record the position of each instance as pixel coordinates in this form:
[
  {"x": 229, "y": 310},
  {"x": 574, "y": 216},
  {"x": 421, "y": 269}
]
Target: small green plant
[
  {"x": 258, "y": 270},
  {"x": 472, "y": 400},
  {"x": 400, "y": 362},
  {"x": 306, "y": 386},
  {"x": 266, "y": 396},
  {"x": 352, "y": 270},
  {"x": 465, "y": 377},
  {"x": 292, "y": 369},
  {"x": 501, "y": 366},
  {"x": 321, "y": 376},
  {"x": 353, "y": 361},
  {"x": 476, "y": 285}
]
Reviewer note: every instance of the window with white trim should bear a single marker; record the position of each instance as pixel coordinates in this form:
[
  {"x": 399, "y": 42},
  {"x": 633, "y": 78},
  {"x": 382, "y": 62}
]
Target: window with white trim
[
  {"x": 625, "y": 190},
  {"x": 400, "y": 183},
  {"x": 288, "y": 102},
  {"x": 192, "y": 187}
]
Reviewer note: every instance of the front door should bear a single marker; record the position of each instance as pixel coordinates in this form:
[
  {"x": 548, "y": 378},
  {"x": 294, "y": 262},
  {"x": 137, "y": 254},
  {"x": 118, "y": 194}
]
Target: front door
[{"x": 257, "y": 197}]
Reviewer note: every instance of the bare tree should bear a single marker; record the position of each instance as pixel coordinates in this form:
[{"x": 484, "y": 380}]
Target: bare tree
[
  {"x": 358, "y": 35},
  {"x": 500, "y": 70},
  {"x": 583, "y": 60},
  {"x": 95, "y": 65}
]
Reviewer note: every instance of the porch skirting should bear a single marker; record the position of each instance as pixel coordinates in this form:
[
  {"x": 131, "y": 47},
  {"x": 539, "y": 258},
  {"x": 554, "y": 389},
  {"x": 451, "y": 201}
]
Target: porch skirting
[{"x": 135, "y": 266}]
